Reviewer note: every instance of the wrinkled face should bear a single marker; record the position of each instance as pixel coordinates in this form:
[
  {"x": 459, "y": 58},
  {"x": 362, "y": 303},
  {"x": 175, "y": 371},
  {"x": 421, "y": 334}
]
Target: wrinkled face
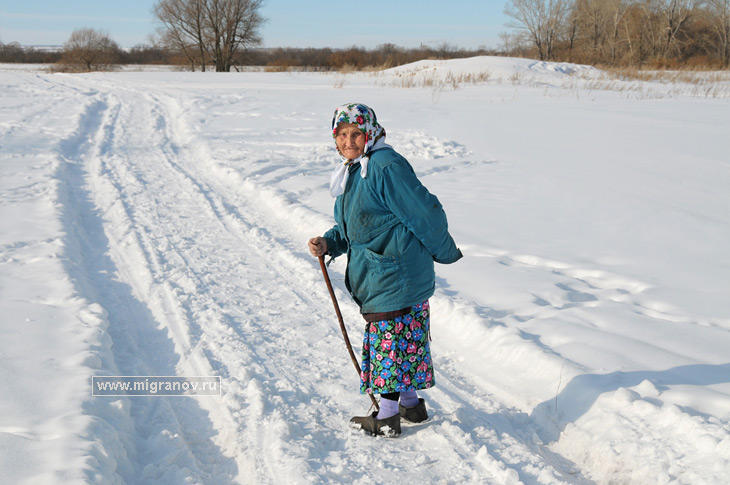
[{"x": 350, "y": 141}]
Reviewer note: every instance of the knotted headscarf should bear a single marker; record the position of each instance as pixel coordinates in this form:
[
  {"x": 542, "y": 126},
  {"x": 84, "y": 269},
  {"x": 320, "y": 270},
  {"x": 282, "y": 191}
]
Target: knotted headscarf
[{"x": 364, "y": 118}]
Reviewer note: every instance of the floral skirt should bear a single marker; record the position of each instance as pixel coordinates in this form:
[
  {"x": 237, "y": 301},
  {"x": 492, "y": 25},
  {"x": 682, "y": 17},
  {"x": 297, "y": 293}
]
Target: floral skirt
[{"x": 396, "y": 355}]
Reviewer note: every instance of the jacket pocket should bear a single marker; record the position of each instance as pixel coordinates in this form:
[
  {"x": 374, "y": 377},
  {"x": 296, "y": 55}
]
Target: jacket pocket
[{"x": 385, "y": 274}]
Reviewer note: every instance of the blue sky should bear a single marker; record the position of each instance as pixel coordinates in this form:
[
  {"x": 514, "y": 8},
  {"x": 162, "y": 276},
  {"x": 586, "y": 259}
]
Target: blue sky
[{"x": 464, "y": 23}]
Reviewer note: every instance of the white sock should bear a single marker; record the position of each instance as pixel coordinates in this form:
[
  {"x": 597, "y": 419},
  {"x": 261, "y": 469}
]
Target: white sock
[
  {"x": 408, "y": 399},
  {"x": 388, "y": 408}
]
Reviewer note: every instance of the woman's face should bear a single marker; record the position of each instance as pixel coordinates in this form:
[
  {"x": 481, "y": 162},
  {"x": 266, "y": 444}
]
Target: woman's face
[{"x": 350, "y": 141}]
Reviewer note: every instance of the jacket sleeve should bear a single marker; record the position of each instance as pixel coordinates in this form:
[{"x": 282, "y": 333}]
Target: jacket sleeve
[
  {"x": 419, "y": 210},
  {"x": 336, "y": 242}
]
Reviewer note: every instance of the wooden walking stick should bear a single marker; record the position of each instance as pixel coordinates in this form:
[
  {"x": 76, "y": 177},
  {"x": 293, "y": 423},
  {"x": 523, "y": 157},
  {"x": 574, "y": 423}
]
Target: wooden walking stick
[{"x": 342, "y": 324}]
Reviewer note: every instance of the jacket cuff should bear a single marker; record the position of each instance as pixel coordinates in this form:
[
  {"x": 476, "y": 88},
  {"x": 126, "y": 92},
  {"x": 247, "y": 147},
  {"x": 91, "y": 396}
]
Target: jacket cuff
[
  {"x": 331, "y": 247},
  {"x": 452, "y": 259}
]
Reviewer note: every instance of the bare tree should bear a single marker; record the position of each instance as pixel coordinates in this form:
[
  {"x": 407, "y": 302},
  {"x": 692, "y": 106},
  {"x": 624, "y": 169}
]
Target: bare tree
[
  {"x": 675, "y": 13},
  {"x": 232, "y": 25},
  {"x": 543, "y": 20},
  {"x": 618, "y": 10},
  {"x": 720, "y": 15},
  {"x": 644, "y": 30},
  {"x": 214, "y": 29},
  {"x": 593, "y": 21},
  {"x": 599, "y": 27},
  {"x": 571, "y": 32},
  {"x": 515, "y": 43},
  {"x": 90, "y": 49},
  {"x": 183, "y": 27}
]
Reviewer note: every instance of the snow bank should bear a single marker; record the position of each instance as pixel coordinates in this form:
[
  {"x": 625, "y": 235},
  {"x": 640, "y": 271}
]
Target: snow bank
[
  {"x": 555, "y": 78},
  {"x": 504, "y": 68}
]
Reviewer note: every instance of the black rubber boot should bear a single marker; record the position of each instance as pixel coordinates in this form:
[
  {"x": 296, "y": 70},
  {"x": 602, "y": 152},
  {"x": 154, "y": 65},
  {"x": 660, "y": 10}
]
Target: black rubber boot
[
  {"x": 388, "y": 427},
  {"x": 416, "y": 414}
]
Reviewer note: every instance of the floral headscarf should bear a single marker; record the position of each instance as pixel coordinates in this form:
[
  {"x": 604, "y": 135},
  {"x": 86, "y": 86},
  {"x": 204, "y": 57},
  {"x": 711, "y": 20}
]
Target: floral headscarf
[{"x": 364, "y": 118}]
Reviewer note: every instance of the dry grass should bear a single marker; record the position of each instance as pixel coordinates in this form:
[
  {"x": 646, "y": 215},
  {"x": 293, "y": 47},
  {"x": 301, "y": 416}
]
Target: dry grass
[
  {"x": 349, "y": 69},
  {"x": 660, "y": 83},
  {"x": 419, "y": 79},
  {"x": 633, "y": 83},
  {"x": 277, "y": 68},
  {"x": 687, "y": 76},
  {"x": 651, "y": 90},
  {"x": 73, "y": 68}
]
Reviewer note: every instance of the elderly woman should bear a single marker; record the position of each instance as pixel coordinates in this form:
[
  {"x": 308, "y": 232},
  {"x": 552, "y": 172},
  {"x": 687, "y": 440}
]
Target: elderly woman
[{"x": 392, "y": 230}]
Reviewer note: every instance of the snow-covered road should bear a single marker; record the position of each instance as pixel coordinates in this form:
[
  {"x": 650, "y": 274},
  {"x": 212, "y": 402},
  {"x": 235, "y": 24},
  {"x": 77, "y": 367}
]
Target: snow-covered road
[{"x": 155, "y": 224}]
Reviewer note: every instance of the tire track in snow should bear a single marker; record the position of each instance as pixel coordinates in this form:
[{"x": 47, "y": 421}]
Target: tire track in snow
[
  {"x": 256, "y": 238},
  {"x": 149, "y": 436},
  {"x": 167, "y": 269}
]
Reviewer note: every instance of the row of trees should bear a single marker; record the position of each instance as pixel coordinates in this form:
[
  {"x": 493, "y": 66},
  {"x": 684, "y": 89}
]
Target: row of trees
[
  {"x": 383, "y": 56},
  {"x": 623, "y": 32},
  {"x": 89, "y": 50}
]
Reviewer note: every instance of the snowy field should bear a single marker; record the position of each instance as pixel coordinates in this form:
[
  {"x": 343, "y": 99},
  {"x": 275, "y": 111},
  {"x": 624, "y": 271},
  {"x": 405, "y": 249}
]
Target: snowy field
[{"x": 155, "y": 223}]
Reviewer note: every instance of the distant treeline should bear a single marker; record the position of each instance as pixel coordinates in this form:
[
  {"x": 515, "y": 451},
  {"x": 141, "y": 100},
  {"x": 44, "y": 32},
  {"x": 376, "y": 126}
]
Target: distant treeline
[
  {"x": 16, "y": 53},
  {"x": 142, "y": 54},
  {"x": 383, "y": 56}
]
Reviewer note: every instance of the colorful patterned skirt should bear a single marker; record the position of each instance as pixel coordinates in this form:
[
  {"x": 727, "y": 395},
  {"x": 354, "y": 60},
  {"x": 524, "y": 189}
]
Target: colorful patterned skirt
[{"x": 396, "y": 355}]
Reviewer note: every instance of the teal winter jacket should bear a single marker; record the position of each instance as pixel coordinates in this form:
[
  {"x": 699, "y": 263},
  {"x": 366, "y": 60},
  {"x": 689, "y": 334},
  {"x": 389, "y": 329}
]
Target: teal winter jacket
[{"x": 392, "y": 229}]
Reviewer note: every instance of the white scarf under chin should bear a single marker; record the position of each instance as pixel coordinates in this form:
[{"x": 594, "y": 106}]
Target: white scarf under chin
[{"x": 338, "y": 179}]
